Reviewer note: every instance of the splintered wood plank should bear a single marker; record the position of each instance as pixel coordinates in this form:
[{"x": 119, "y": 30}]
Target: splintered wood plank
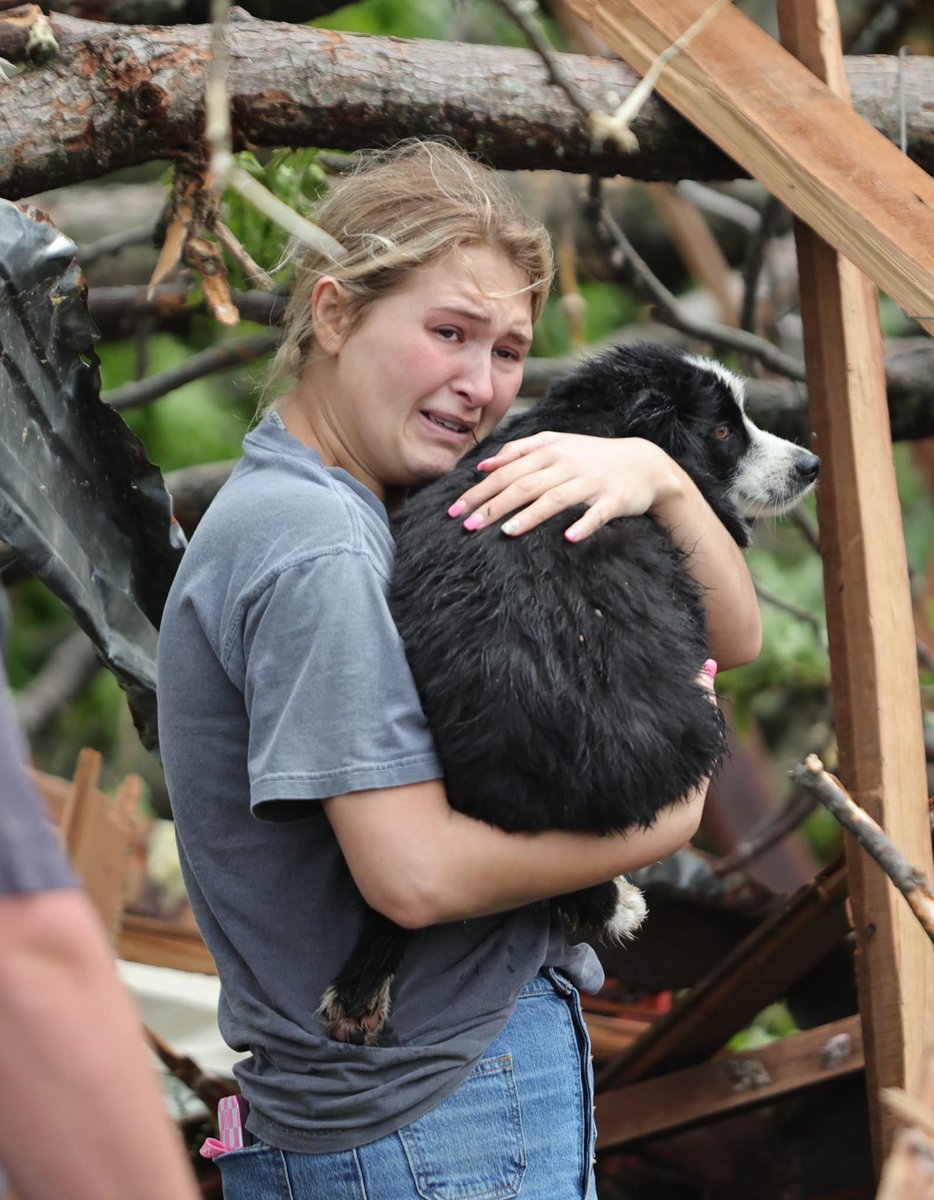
[
  {"x": 97, "y": 833},
  {"x": 728, "y": 1084},
  {"x": 791, "y": 132},
  {"x": 870, "y": 622},
  {"x": 759, "y": 970}
]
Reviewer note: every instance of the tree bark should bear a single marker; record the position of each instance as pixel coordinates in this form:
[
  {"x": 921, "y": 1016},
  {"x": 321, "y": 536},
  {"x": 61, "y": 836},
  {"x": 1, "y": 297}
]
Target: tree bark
[{"x": 118, "y": 96}]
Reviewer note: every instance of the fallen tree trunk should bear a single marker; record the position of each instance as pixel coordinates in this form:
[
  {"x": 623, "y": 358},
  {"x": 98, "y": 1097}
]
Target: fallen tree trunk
[{"x": 117, "y": 96}]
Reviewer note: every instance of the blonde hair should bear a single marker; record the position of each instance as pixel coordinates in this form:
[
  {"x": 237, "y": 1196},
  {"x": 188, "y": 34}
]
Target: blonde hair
[{"x": 403, "y": 208}]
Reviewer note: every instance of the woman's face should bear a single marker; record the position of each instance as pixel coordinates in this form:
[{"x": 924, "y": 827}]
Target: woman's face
[{"x": 432, "y": 365}]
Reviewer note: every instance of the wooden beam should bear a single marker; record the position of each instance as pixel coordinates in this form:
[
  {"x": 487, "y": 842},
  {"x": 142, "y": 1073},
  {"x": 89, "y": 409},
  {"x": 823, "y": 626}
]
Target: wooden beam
[
  {"x": 97, "y": 833},
  {"x": 728, "y": 1084},
  {"x": 792, "y": 133},
  {"x": 907, "y": 1172},
  {"x": 869, "y": 615},
  {"x": 759, "y": 970},
  {"x": 161, "y": 943}
]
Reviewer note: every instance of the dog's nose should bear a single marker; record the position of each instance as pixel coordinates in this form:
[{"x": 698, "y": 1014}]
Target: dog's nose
[{"x": 807, "y": 467}]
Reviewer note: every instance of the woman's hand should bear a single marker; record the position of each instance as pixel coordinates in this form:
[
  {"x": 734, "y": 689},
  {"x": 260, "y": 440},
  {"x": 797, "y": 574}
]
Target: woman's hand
[{"x": 535, "y": 478}]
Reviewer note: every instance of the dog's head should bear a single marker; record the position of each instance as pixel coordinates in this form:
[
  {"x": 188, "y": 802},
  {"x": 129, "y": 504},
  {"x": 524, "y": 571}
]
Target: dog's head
[{"x": 694, "y": 408}]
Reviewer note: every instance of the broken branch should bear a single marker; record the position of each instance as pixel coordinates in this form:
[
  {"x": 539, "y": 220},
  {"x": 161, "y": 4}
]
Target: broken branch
[
  {"x": 627, "y": 262},
  {"x": 910, "y": 882}
]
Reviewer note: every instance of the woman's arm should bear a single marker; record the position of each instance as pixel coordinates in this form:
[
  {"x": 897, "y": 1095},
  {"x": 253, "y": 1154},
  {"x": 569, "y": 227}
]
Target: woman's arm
[
  {"x": 420, "y": 863},
  {"x": 538, "y": 477},
  {"x": 81, "y": 1112}
]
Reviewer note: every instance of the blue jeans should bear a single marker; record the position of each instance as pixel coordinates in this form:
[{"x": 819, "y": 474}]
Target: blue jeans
[{"x": 521, "y": 1125}]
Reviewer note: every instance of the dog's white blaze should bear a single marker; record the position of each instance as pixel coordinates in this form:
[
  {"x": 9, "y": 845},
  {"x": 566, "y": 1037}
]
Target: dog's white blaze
[{"x": 733, "y": 382}]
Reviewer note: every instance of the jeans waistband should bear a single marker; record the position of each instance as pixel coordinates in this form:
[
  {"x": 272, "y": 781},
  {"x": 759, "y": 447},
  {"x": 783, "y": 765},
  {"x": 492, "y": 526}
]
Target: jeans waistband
[{"x": 547, "y": 980}]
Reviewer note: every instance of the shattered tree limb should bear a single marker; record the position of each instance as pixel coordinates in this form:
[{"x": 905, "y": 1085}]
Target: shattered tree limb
[
  {"x": 910, "y": 882},
  {"x": 121, "y": 95}
]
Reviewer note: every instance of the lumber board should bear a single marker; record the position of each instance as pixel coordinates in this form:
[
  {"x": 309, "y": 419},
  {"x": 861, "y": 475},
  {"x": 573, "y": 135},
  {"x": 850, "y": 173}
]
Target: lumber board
[
  {"x": 159, "y": 943},
  {"x": 759, "y": 970},
  {"x": 728, "y": 1084},
  {"x": 907, "y": 1172},
  {"x": 97, "y": 833},
  {"x": 792, "y": 133},
  {"x": 870, "y": 620}
]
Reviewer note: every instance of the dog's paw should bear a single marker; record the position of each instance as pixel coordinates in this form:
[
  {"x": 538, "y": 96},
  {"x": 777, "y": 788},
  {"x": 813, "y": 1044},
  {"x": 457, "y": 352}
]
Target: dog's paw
[
  {"x": 360, "y": 1024},
  {"x": 629, "y": 913}
]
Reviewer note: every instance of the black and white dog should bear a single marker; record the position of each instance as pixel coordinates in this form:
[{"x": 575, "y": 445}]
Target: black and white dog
[{"x": 560, "y": 680}]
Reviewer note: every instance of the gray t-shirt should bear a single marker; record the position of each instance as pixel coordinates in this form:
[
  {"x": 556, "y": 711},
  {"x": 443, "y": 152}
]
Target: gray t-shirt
[{"x": 283, "y": 681}]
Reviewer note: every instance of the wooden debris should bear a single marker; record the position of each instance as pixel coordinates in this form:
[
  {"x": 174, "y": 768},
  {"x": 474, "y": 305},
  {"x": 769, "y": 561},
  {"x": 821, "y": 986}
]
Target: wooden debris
[
  {"x": 791, "y": 132},
  {"x": 96, "y": 832},
  {"x": 160, "y": 943},
  {"x": 777, "y": 953},
  {"x": 912, "y": 884},
  {"x": 877, "y": 709},
  {"x": 728, "y": 1084},
  {"x": 208, "y": 1088},
  {"x": 909, "y": 1170}
]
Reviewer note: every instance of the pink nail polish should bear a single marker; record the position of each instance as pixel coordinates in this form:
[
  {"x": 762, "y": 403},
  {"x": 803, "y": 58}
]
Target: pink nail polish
[
  {"x": 483, "y": 466},
  {"x": 457, "y": 508},
  {"x": 474, "y": 522},
  {"x": 571, "y": 535},
  {"x": 710, "y": 668}
]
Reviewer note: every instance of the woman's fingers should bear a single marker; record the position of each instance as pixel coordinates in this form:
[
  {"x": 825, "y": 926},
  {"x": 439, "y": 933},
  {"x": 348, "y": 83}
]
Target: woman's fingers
[
  {"x": 512, "y": 451},
  {"x": 535, "y": 478},
  {"x": 523, "y": 475},
  {"x": 493, "y": 499}
]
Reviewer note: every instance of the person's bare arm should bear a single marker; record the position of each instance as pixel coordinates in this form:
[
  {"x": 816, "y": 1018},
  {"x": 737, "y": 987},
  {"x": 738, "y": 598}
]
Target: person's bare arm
[
  {"x": 421, "y": 863},
  {"x": 81, "y": 1112},
  {"x": 536, "y": 478}
]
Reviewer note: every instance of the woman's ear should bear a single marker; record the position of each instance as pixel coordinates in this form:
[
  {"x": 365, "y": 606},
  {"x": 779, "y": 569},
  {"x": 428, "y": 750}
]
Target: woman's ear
[{"x": 328, "y": 314}]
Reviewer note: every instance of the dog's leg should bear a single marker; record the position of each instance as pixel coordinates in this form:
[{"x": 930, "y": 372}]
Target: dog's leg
[
  {"x": 615, "y": 909},
  {"x": 356, "y": 1006}
]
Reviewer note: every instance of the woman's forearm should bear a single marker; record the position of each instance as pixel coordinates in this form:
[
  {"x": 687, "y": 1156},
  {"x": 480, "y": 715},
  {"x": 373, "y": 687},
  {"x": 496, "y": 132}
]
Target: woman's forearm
[
  {"x": 717, "y": 563},
  {"x": 421, "y": 863},
  {"x": 81, "y": 1111}
]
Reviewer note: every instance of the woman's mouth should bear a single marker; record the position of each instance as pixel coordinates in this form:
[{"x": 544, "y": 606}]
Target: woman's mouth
[{"x": 450, "y": 426}]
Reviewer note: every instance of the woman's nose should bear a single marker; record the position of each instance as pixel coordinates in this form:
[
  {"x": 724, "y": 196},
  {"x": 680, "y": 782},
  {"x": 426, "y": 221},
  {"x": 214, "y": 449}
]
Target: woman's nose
[{"x": 476, "y": 383}]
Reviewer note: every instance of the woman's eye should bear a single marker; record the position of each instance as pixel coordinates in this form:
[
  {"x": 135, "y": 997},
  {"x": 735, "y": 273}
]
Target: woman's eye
[
  {"x": 722, "y": 433},
  {"x": 509, "y": 355},
  {"x": 448, "y": 333}
]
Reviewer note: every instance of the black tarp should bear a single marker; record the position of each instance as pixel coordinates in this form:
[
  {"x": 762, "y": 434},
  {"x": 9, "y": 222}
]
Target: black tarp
[{"x": 80, "y": 503}]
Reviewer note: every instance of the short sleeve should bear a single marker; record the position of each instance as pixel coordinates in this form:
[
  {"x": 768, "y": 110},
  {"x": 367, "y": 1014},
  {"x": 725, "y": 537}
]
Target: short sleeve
[
  {"x": 332, "y": 704},
  {"x": 31, "y": 859}
]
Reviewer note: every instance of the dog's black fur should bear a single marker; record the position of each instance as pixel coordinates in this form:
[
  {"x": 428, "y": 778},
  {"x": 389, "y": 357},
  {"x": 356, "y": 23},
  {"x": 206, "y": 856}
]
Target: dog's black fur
[{"x": 560, "y": 680}]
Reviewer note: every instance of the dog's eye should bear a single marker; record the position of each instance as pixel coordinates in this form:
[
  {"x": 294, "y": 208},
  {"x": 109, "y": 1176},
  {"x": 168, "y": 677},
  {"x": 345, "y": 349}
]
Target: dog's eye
[{"x": 723, "y": 432}]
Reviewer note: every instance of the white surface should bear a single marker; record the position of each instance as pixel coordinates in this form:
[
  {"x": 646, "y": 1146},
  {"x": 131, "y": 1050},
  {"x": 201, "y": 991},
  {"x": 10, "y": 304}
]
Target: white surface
[{"x": 181, "y": 1007}]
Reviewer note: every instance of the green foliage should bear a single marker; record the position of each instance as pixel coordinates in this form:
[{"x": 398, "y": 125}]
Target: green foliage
[
  {"x": 607, "y": 308},
  {"x": 38, "y": 622},
  {"x": 205, "y": 421},
  {"x": 295, "y": 178},
  {"x": 917, "y": 510},
  {"x": 435, "y": 19},
  {"x": 417, "y": 18},
  {"x": 772, "y": 1024}
]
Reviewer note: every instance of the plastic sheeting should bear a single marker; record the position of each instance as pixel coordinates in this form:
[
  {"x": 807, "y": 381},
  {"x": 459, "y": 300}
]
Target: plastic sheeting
[{"x": 80, "y": 503}]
